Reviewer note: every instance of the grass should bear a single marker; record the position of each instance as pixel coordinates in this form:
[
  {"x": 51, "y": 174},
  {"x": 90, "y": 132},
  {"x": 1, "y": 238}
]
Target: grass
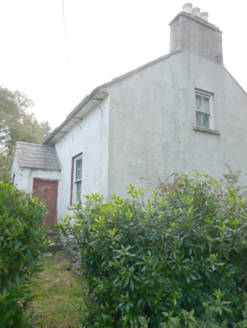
[{"x": 59, "y": 294}]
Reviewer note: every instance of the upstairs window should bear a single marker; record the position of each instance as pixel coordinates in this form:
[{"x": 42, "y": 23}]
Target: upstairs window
[
  {"x": 204, "y": 110},
  {"x": 76, "y": 179}
]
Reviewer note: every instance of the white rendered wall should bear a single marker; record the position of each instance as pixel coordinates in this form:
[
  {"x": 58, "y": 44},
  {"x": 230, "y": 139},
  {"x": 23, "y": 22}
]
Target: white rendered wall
[
  {"x": 152, "y": 115},
  {"x": 89, "y": 136},
  {"x": 24, "y": 176}
]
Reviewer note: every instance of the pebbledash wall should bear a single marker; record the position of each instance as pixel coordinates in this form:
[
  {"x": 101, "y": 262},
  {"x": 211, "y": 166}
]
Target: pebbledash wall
[
  {"x": 152, "y": 120},
  {"x": 153, "y": 113},
  {"x": 89, "y": 137}
]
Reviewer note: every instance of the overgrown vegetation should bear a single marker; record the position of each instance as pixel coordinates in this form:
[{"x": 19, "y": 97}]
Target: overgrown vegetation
[
  {"x": 5, "y": 166},
  {"x": 58, "y": 295},
  {"x": 22, "y": 239},
  {"x": 177, "y": 260}
]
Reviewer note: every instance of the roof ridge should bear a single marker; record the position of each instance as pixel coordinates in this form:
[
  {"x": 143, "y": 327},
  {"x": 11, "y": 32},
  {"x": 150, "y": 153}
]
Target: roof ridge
[{"x": 33, "y": 144}]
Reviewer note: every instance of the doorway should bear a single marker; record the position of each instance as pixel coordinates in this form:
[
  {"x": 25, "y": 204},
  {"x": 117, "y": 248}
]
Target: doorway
[{"x": 46, "y": 191}]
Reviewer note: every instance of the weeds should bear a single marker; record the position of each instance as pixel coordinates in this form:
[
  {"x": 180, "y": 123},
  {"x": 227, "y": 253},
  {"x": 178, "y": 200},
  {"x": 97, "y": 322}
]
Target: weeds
[{"x": 59, "y": 294}]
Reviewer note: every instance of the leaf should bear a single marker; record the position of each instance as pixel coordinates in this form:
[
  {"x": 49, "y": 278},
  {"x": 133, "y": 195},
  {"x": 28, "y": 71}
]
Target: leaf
[
  {"x": 126, "y": 281},
  {"x": 131, "y": 284}
]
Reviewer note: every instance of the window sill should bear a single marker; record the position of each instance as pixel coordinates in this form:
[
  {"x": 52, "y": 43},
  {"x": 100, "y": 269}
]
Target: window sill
[
  {"x": 201, "y": 129},
  {"x": 71, "y": 208}
]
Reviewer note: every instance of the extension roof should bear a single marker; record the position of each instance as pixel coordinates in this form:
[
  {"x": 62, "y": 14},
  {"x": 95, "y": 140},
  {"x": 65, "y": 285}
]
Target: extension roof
[{"x": 37, "y": 156}]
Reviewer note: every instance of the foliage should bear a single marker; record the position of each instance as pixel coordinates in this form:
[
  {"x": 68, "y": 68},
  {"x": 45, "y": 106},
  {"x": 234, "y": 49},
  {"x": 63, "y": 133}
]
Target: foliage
[
  {"x": 178, "y": 259},
  {"x": 5, "y": 164},
  {"x": 16, "y": 124},
  {"x": 22, "y": 239}
]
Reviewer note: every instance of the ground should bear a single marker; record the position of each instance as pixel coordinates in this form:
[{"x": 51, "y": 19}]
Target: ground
[{"x": 59, "y": 292}]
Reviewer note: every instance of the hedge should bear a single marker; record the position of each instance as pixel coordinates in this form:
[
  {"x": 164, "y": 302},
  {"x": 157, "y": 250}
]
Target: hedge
[
  {"x": 22, "y": 239},
  {"x": 178, "y": 259}
]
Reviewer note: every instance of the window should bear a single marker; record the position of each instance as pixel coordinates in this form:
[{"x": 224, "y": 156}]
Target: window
[
  {"x": 76, "y": 179},
  {"x": 204, "y": 110}
]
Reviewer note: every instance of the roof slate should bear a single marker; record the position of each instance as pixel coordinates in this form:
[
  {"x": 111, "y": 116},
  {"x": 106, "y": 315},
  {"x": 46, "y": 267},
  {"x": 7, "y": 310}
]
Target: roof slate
[{"x": 37, "y": 156}]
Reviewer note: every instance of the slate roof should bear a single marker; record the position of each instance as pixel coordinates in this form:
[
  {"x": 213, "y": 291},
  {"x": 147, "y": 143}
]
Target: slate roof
[{"x": 36, "y": 156}]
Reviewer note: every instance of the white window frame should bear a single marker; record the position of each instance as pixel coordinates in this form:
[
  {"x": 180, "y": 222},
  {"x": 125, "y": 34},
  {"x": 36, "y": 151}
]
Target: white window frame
[
  {"x": 208, "y": 95},
  {"x": 77, "y": 179}
]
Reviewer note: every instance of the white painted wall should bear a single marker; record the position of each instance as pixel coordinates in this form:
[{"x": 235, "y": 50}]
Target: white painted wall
[
  {"x": 89, "y": 136},
  {"x": 24, "y": 176},
  {"x": 152, "y": 114}
]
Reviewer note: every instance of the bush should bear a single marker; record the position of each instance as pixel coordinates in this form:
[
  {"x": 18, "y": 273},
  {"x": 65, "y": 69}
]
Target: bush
[
  {"x": 179, "y": 258},
  {"x": 22, "y": 239}
]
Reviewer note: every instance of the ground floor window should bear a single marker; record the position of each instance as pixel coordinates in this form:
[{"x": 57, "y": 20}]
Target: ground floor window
[{"x": 76, "y": 179}]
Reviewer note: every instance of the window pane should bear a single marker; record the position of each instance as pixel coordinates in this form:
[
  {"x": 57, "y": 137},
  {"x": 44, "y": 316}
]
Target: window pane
[
  {"x": 198, "y": 119},
  {"x": 78, "y": 169},
  {"x": 206, "y": 105},
  {"x": 78, "y": 175},
  {"x": 205, "y": 120},
  {"x": 199, "y": 102},
  {"x": 78, "y": 163},
  {"x": 78, "y": 191}
]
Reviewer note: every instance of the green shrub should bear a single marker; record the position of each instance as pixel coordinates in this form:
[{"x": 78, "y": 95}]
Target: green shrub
[
  {"x": 22, "y": 239},
  {"x": 179, "y": 258}
]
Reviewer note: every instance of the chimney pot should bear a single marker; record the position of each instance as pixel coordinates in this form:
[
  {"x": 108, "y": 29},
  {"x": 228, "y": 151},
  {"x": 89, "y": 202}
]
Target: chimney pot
[
  {"x": 187, "y": 8},
  {"x": 196, "y": 11},
  {"x": 204, "y": 16}
]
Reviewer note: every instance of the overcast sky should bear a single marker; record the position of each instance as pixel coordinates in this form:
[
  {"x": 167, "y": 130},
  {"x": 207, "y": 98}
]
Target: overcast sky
[{"x": 104, "y": 39}]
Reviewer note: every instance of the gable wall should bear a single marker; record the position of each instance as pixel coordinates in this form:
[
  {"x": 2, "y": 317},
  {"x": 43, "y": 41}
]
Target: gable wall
[
  {"x": 152, "y": 116},
  {"x": 90, "y": 137}
]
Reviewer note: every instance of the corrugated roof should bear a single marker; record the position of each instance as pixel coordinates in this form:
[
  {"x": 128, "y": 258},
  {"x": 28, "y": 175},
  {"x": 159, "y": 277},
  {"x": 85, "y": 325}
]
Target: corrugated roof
[{"x": 36, "y": 156}]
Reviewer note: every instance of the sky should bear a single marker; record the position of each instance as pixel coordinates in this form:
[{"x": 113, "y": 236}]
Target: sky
[{"x": 57, "y": 51}]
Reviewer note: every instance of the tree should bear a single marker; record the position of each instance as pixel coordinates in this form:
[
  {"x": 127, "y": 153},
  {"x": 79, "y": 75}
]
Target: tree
[
  {"x": 17, "y": 124},
  {"x": 5, "y": 165}
]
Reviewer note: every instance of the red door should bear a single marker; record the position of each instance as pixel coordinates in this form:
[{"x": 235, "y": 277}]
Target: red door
[{"x": 46, "y": 192}]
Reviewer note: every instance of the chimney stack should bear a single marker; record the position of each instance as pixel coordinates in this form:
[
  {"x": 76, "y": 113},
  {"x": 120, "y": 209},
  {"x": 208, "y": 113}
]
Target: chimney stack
[{"x": 191, "y": 31}]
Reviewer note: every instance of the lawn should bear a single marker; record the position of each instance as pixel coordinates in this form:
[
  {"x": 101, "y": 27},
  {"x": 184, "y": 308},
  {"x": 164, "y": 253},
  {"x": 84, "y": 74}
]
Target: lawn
[{"x": 59, "y": 295}]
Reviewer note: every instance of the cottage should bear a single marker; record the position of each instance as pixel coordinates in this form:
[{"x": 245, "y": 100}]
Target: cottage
[{"x": 177, "y": 113}]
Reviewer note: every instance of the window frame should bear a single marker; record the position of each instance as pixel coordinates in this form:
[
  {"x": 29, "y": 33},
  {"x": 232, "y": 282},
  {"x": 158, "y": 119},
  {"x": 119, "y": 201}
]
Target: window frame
[
  {"x": 74, "y": 181},
  {"x": 210, "y": 114}
]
